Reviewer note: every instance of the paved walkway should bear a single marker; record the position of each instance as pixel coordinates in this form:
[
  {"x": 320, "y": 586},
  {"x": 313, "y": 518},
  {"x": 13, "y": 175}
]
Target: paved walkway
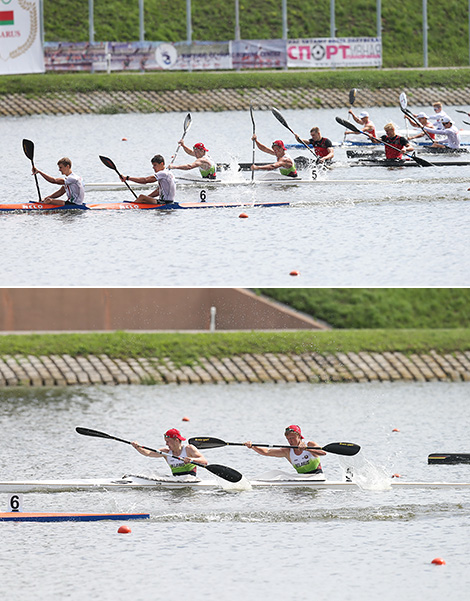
[
  {"x": 64, "y": 370},
  {"x": 219, "y": 100}
]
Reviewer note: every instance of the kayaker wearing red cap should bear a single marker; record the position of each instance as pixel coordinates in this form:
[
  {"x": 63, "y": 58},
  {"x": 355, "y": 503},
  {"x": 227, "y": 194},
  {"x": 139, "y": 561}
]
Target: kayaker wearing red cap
[
  {"x": 284, "y": 162},
  {"x": 180, "y": 463},
  {"x": 305, "y": 462},
  {"x": 203, "y": 162}
]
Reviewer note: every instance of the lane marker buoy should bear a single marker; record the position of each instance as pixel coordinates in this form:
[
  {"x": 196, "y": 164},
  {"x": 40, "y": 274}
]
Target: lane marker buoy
[{"x": 124, "y": 530}]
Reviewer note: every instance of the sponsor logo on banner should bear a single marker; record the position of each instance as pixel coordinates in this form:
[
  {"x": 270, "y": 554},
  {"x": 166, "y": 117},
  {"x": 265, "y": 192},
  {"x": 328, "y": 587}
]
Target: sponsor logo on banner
[
  {"x": 20, "y": 43},
  {"x": 166, "y": 56},
  {"x": 335, "y": 52}
]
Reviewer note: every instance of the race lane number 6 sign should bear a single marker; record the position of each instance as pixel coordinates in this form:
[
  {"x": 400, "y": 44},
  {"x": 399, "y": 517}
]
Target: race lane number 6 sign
[{"x": 15, "y": 503}]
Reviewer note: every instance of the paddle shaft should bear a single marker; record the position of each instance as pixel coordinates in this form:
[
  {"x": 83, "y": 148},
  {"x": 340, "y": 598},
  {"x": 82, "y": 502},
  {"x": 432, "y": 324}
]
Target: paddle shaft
[
  {"x": 227, "y": 473},
  {"x": 186, "y": 126},
  {"x": 421, "y": 162},
  {"x": 412, "y": 118},
  {"x": 281, "y": 120},
  {"x": 338, "y": 448},
  {"x": 28, "y": 148},
  {"x": 254, "y": 142},
  {"x": 110, "y": 164}
]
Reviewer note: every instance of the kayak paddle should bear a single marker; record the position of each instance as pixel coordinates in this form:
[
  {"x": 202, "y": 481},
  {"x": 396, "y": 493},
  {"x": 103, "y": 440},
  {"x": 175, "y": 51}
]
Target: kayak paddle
[
  {"x": 186, "y": 126},
  {"x": 224, "y": 472},
  {"x": 254, "y": 143},
  {"x": 281, "y": 120},
  {"x": 109, "y": 163},
  {"x": 352, "y": 100},
  {"x": 421, "y": 162},
  {"x": 409, "y": 114},
  {"x": 338, "y": 448},
  {"x": 28, "y": 148}
]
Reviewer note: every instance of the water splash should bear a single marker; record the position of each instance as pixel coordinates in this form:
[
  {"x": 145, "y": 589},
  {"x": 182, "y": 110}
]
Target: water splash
[{"x": 366, "y": 474}]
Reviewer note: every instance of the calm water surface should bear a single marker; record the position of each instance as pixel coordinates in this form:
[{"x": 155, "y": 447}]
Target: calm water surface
[
  {"x": 262, "y": 544},
  {"x": 353, "y": 227}
]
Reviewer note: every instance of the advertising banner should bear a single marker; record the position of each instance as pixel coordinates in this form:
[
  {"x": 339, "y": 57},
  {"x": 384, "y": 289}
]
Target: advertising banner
[
  {"x": 258, "y": 54},
  {"x": 334, "y": 52},
  {"x": 194, "y": 57},
  {"x": 20, "y": 37}
]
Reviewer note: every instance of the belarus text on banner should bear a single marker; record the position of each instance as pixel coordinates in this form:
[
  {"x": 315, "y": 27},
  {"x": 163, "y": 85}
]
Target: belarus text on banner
[{"x": 20, "y": 37}]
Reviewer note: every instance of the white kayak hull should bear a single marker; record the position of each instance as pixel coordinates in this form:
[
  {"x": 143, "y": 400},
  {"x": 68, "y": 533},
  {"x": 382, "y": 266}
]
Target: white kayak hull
[{"x": 142, "y": 482}]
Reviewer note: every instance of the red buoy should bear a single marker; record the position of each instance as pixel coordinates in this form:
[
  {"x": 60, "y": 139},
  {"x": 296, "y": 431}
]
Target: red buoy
[
  {"x": 395, "y": 430},
  {"x": 124, "y": 139},
  {"x": 438, "y": 561},
  {"x": 243, "y": 216},
  {"x": 185, "y": 419},
  {"x": 294, "y": 272},
  {"x": 124, "y": 530}
]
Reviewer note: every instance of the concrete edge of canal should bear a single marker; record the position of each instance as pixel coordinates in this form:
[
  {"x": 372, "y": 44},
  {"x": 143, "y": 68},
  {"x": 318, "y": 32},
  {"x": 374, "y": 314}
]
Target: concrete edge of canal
[
  {"x": 220, "y": 99},
  {"x": 65, "y": 370}
]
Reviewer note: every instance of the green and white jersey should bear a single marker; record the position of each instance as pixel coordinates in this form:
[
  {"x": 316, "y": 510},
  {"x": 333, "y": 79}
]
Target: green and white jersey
[{"x": 305, "y": 463}]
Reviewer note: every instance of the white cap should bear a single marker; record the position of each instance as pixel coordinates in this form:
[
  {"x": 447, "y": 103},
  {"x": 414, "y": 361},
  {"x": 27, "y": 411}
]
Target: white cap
[
  {"x": 446, "y": 120},
  {"x": 363, "y": 114},
  {"x": 422, "y": 116}
]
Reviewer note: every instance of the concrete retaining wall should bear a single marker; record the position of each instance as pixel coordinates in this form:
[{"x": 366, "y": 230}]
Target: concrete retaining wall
[
  {"x": 219, "y": 100},
  {"x": 64, "y": 370}
]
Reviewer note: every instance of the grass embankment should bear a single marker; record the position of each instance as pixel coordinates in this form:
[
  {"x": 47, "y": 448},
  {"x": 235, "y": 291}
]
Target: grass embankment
[
  {"x": 380, "y": 307},
  {"x": 118, "y": 20},
  {"x": 40, "y": 84},
  {"x": 187, "y": 348}
]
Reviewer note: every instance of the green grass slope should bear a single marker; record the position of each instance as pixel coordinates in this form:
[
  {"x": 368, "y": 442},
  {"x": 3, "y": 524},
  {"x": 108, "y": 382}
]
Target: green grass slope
[{"x": 357, "y": 308}]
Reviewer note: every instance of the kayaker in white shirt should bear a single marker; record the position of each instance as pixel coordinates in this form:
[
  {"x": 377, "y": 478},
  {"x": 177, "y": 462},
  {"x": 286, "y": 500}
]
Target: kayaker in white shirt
[
  {"x": 449, "y": 130},
  {"x": 71, "y": 184},
  {"x": 304, "y": 461},
  {"x": 166, "y": 187}
]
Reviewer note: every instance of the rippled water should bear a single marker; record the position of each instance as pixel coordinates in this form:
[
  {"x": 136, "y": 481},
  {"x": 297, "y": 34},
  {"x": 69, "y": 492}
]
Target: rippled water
[
  {"x": 371, "y": 227},
  {"x": 261, "y": 544}
]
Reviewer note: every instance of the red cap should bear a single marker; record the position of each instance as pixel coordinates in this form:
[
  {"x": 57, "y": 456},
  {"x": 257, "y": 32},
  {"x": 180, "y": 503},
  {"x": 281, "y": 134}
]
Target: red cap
[
  {"x": 200, "y": 146},
  {"x": 279, "y": 143},
  {"x": 294, "y": 429},
  {"x": 174, "y": 433}
]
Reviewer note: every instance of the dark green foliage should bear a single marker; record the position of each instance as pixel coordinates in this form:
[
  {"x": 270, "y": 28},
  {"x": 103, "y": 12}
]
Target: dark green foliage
[
  {"x": 380, "y": 307},
  {"x": 165, "y": 20}
]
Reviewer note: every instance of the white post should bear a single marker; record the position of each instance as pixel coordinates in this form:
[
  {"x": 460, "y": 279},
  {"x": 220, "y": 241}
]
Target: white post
[
  {"x": 285, "y": 29},
  {"x": 425, "y": 33},
  {"x": 41, "y": 22},
  {"x": 189, "y": 30},
  {"x": 141, "y": 21},
  {"x": 332, "y": 19},
  {"x": 91, "y": 23},
  {"x": 237, "y": 21},
  {"x": 379, "y": 18},
  {"x": 213, "y": 314}
]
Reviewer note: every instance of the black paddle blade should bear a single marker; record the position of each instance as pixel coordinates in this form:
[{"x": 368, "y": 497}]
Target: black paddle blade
[
  {"x": 348, "y": 125},
  {"x": 28, "y": 148},
  {"x": 187, "y": 122},
  {"x": 279, "y": 117},
  {"x": 448, "y": 458},
  {"x": 207, "y": 442},
  {"x": 88, "y": 432},
  {"x": 352, "y": 96},
  {"x": 224, "y": 472},
  {"x": 421, "y": 161},
  {"x": 342, "y": 448},
  {"x": 108, "y": 162}
]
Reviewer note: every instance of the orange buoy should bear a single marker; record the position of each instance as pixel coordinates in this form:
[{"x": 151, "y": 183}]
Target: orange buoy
[
  {"x": 396, "y": 476},
  {"x": 395, "y": 430},
  {"x": 438, "y": 561},
  {"x": 294, "y": 272},
  {"x": 124, "y": 140},
  {"x": 124, "y": 530},
  {"x": 243, "y": 216},
  {"x": 185, "y": 419}
]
